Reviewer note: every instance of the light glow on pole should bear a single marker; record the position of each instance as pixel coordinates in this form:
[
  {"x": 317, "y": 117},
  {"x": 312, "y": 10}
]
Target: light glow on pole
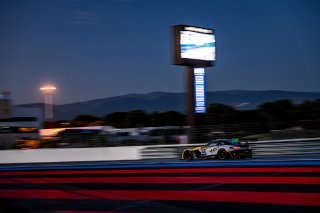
[{"x": 48, "y": 90}]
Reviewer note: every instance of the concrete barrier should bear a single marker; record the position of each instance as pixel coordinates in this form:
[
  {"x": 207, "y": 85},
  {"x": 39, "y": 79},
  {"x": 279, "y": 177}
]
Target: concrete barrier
[
  {"x": 305, "y": 147},
  {"x": 70, "y": 154}
]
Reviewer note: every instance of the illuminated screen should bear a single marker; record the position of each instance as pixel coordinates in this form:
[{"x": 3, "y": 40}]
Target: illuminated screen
[
  {"x": 199, "y": 90},
  {"x": 199, "y": 46},
  {"x": 194, "y": 46}
]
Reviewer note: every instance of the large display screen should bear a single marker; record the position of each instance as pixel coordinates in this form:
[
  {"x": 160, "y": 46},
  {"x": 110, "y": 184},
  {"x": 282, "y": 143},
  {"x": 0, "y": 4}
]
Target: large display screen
[
  {"x": 194, "y": 46},
  {"x": 197, "y": 45}
]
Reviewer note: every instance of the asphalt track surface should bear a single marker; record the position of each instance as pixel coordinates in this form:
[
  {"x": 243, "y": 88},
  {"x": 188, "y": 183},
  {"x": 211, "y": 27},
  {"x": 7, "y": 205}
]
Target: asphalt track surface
[{"x": 283, "y": 184}]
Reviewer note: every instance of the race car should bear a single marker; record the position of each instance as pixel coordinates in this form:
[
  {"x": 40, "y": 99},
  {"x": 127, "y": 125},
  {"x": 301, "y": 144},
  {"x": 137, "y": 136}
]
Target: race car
[{"x": 220, "y": 148}]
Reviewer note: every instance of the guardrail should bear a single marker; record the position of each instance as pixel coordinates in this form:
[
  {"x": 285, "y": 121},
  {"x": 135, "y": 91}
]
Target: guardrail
[
  {"x": 287, "y": 147},
  {"x": 260, "y": 148}
]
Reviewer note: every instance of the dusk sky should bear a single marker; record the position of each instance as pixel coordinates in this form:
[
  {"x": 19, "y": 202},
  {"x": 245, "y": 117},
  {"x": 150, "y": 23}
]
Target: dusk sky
[{"x": 94, "y": 49}]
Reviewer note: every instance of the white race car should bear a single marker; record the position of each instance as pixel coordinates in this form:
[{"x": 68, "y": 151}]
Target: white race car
[{"x": 220, "y": 148}]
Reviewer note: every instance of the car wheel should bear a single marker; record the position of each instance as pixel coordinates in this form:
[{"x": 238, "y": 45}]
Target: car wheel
[
  {"x": 191, "y": 155},
  {"x": 222, "y": 154},
  {"x": 197, "y": 154},
  {"x": 235, "y": 155},
  {"x": 188, "y": 155}
]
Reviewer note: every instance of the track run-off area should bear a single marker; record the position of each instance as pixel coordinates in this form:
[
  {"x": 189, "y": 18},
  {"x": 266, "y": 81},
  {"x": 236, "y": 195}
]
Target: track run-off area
[{"x": 280, "y": 184}]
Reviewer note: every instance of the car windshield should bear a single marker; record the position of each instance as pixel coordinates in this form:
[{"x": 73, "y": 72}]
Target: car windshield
[
  {"x": 219, "y": 143},
  {"x": 212, "y": 143},
  {"x": 225, "y": 143}
]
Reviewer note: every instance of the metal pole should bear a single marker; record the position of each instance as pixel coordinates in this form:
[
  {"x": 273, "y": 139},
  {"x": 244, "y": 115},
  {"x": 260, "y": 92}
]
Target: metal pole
[
  {"x": 48, "y": 106},
  {"x": 191, "y": 117}
]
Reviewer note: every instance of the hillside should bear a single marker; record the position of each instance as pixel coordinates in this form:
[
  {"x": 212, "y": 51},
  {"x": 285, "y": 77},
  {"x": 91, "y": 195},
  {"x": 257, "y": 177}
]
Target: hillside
[{"x": 164, "y": 101}]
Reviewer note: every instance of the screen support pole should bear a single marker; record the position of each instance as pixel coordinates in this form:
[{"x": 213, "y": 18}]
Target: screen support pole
[
  {"x": 196, "y": 121},
  {"x": 191, "y": 116}
]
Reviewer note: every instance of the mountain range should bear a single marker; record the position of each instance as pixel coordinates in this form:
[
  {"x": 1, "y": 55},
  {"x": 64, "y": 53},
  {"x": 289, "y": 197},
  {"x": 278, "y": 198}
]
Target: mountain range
[{"x": 166, "y": 101}]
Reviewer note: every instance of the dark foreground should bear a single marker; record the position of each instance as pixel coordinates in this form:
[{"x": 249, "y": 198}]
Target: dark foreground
[{"x": 265, "y": 185}]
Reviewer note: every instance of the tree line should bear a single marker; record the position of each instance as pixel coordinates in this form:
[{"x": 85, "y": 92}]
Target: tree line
[{"x": 217, "y": 114}]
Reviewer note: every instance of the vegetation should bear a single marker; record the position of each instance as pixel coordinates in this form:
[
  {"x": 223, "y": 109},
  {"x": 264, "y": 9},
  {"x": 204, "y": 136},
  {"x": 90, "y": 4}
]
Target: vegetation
[{"x": 217, "y": 114}]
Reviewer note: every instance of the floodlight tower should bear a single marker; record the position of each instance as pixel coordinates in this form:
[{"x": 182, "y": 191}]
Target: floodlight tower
[{"x": 48, "y": 91}]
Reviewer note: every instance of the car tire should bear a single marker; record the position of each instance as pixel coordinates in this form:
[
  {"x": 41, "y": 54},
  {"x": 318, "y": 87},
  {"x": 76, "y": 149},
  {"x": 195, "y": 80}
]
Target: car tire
[
  {"x": 188, "y": 155},
  {"x": 222, "y": 154},
  {"x": 191, "y": 155},
  {"x": 235, "y": 155}
]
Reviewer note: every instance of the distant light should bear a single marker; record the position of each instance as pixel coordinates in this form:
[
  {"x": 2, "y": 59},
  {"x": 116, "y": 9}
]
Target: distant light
[
  {"x": 27, "y": 129},
  {"x": 48, "y": 89},
  {"x": 241, "y": 104}
]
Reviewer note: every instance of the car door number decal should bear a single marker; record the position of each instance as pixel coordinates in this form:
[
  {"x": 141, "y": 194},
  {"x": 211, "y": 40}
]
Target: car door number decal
[
  {"x": 203, "y": 151},
  {"x": 209, "y": 151}
]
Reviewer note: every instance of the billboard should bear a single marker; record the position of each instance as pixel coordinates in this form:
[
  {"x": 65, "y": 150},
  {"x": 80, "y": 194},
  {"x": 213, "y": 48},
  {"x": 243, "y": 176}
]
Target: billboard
[{"x": 194, "y": 46}]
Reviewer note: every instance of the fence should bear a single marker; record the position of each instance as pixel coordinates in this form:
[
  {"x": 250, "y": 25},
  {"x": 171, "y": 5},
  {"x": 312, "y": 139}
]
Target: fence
[
  {"x": 303, "y": 147},
  {"x": 170, "y": 135}
]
